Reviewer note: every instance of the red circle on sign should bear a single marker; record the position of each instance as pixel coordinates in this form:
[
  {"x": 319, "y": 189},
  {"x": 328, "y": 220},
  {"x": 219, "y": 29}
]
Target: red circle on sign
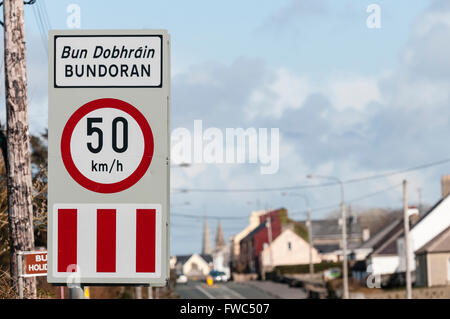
[{"x": 67, "y": 155}]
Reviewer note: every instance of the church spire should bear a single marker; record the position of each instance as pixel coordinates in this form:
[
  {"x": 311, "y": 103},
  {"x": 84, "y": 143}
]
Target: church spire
[
  {"x": 220, "y": 240},
  {"x": 206, "y": 245}
]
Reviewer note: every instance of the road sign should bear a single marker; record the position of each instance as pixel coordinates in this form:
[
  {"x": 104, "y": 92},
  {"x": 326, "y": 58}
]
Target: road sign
[
  {"x": 35, "y": 263},
  {"x": 109, "y": 157}
]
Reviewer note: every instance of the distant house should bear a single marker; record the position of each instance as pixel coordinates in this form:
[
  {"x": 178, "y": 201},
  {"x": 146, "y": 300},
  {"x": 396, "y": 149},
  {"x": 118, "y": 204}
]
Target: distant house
[
  {"x": 235, "y": 241},
  {"x": 433, "y": 261},
  {"x": 388, "y": 255},
  {"x": 252, "y": 244},
  {"x": 376, "y": 241},
  {"x": 327, "y": 236},
  {"x": 380, "y": 252},
  {"x": 287, "y": 249},
  {"x": 194, "y": 265},
  {"x": 431, "y": 224},
  {"x": 221, "y": 253},
  {"x": 221, "y": 260}
]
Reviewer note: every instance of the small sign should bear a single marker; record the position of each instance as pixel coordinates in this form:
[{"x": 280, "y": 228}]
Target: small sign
[{"x": 35, "y": 263}]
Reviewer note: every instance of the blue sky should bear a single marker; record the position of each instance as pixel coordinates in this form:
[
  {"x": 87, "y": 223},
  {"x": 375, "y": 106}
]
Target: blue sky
[{"x": 349, "y": 101}]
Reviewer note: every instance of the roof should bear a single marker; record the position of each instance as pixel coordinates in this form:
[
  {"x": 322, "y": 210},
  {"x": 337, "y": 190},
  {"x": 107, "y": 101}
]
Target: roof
[
  {"x": 440, "y": 243},
  {"x": 430, "y": 210},
  {"x": 262, "y": 224},
  {"x": 380, "y": 237},
  {"x": 323, "y": 249},
  {"x": 256, "y": 230},
  {"x": 182, "y": 259},
  {"x": 388, "y": 245},
  {"x": 331, "y": 228}
]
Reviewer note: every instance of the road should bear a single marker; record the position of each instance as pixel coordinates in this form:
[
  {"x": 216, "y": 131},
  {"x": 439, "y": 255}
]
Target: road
[{"x": 233, "y": 290}]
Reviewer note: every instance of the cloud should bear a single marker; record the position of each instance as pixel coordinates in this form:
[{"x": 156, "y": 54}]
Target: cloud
[
  {"x": 296, "y": 9},
  {"x": 282, "y": 91}
]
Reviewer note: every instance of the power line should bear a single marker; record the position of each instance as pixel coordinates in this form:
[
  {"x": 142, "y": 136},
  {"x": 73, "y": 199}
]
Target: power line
[
  {"x": 293, "y": 213},
  {"x": 210, "y": 217},
  {"x": 43, "y": 22},
  {"x": 309, "y": 186},
  {"x": 357, "y": 199}
]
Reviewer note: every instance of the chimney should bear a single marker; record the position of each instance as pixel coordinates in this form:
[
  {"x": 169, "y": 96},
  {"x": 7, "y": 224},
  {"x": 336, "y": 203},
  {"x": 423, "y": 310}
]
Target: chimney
[
  {"x": 365, "y": 234},
  {"x": 445, "y": 182},
  {"x": 413, "y": 214}
]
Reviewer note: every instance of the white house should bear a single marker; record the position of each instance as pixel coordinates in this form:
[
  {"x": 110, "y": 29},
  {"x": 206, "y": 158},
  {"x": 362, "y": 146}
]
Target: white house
[
  {"x": 383, "y": 258},
  {"x": 194, "y": 265},
  {"x": 287, "y": 249},
  {"x": 389, "y": 257},
  {"x": 435, "y": 221},
  {"x": 221, "y": 260}
]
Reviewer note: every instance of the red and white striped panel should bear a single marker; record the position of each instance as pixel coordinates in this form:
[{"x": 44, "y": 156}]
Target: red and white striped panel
[{"x": 107, "y": 240}]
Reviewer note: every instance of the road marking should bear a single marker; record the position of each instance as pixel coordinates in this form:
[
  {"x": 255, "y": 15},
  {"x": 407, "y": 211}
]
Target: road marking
[
  {"x": 234, "y": 293},
  {"x": 207, "y": 294}
]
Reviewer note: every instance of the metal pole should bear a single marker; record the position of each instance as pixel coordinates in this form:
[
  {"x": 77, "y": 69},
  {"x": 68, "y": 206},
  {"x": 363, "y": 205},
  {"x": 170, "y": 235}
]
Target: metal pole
[
  {"x": 406, "y": 226},
  {"x": 309, "y": 226},
  {"x": 344, "y": 234},
  {"x": 344, "y": 247},
  {"x": 344, "y": 244},
  {"x": 19, "y": 273},
  {"x": 137, "y": 292},
  {"x": 419, "y": 190},
  {"x": 269, "y": 231},
  {"x": 149, "y": 292},
  {"x": 311, "y": 264},
  {"x": 76, "y": 293}
]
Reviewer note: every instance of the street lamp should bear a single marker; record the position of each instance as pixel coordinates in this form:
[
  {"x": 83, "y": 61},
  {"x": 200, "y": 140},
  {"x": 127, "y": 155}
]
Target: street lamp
[
  {"x": 183, "y": 165},
  {"x": 309, "y": 225},
  {"x": 344, "y": 232}
]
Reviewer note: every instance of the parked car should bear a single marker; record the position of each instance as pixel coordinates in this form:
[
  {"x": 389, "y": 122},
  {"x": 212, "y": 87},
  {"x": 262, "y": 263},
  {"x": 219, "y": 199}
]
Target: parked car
[
  {"x": 331, "y": 274},
  {"x": 218, "y": 275},
  {"x": 182, "y": 279}
]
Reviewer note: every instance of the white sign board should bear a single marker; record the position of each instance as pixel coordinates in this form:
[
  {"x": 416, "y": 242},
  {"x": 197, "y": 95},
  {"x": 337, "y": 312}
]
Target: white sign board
[{"x": 109, "y": 157}]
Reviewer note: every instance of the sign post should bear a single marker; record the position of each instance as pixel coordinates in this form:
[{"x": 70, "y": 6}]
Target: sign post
[
  {"x": 109, "y": 157},
  {"x": 35, "y": 265}
]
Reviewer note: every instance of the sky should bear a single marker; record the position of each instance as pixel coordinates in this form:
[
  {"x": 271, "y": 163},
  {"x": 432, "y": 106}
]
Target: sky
[{"x": 349, "y": 101}]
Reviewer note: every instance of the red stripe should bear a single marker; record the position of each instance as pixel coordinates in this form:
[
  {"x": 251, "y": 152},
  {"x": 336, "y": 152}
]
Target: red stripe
[
  {"x": 106, "y": 240},
  {"x": 67, "y": 239},
  {"x": 145, "y": 240}
]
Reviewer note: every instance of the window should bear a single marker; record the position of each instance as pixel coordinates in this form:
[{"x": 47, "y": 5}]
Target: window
[{"x": 289, "y": 246}]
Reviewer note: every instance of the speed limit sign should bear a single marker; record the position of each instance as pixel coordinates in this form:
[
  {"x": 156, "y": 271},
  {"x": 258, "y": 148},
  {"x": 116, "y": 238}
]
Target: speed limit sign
[
  {"x": 108, "y": 218},
  {"x": 107, "y": 145}
]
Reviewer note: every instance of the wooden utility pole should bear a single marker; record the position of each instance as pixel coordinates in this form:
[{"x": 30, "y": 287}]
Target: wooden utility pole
[
  {"x": 20, "y": 208},
  {"x": 406, "y": 228}
]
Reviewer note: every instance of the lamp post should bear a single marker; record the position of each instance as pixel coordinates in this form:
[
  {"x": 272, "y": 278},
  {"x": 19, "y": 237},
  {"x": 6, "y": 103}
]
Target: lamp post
[
  {"x": 344, "y": 233},
  {"x": 309, "y": 225}
]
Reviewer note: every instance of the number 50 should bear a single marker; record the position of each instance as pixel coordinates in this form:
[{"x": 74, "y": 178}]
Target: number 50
[{"x": 91, "y": 130}]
